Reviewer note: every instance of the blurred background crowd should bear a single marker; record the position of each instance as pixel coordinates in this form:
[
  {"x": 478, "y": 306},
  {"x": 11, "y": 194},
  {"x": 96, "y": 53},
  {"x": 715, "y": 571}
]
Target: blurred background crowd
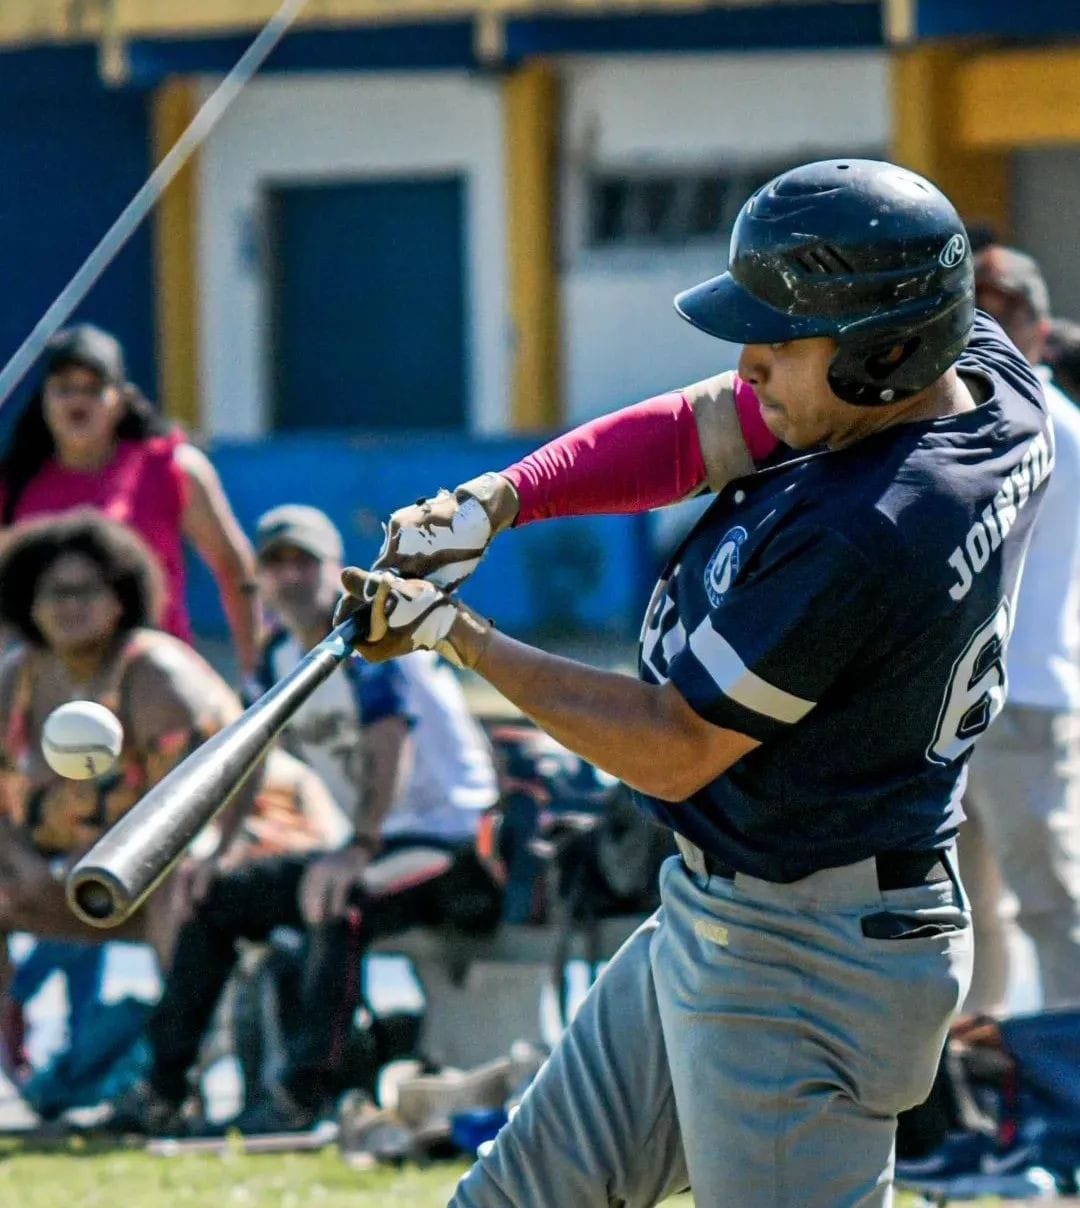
[{"x": 422, "y": 239}]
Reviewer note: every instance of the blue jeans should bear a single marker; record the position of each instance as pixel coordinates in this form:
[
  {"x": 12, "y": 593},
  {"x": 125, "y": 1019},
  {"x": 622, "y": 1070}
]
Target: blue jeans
[{"x": 83, "y": 965}]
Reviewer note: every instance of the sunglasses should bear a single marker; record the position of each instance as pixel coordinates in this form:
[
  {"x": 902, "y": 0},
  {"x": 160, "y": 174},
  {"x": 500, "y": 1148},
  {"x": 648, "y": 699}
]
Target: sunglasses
[{"x": 59, "y": 593}]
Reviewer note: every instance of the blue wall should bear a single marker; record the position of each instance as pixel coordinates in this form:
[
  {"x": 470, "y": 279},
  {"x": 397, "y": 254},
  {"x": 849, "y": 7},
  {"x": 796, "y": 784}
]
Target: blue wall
[
  {"x": 1032, "y": 19},
  {"x": 584, "y": 575},
  {"x": 72, "y": 154}
]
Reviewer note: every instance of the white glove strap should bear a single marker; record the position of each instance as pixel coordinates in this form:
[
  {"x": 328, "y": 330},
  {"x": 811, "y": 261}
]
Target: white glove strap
[{"x": 487, "y": 488}]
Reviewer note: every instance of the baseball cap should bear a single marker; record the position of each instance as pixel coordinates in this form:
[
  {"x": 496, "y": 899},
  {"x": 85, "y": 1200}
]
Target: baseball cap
[
  {"x": 304, "y": 527},
  {"x": 1014, "y": 273},
  {"x": 87, "y": 345}
]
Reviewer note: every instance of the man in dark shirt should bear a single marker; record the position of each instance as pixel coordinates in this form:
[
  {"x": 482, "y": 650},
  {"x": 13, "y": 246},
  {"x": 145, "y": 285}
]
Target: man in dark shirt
[{"x": 816, "y": 662}]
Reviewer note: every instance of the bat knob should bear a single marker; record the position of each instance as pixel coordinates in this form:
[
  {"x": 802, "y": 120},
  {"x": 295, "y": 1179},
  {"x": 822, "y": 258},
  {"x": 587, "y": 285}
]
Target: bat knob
[{"x": 352, "y": 618}]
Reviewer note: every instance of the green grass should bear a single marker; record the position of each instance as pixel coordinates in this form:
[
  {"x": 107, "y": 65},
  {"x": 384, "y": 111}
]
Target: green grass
[
  {"x": 77, "y": 1174},
  {"x": 74, "y": 1175}
]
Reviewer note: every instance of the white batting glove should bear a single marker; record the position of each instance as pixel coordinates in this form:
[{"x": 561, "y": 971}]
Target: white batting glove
[
  {"x": 405, "y": 615},
  {"x": 443, "y": 539}
]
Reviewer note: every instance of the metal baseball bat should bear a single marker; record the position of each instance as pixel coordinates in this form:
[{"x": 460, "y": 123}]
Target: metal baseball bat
[{"x": 124, "y": 866}]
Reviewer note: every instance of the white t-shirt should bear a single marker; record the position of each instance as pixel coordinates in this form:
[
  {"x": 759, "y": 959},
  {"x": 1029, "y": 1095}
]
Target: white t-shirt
[
  {"x": 325, "y": 732},
  {"x": 453, "y": 774},
  {"x": 452, "y": 777},
  {"x": 1044, "y": 650}
]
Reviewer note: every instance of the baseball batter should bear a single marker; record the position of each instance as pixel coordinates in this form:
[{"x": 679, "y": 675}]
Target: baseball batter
[{"x": 816, "y": 662}]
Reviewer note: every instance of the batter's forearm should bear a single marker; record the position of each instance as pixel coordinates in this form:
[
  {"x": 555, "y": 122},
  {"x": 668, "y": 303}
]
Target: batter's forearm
[{"x": 645, "y": 735}]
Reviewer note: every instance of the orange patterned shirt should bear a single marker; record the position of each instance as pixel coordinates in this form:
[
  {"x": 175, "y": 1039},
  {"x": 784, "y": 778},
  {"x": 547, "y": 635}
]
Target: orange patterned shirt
[{"x": 292, "y": 810}]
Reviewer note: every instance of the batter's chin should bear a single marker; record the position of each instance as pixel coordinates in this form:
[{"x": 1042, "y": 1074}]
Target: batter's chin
[{"x": 774, "y": 420}]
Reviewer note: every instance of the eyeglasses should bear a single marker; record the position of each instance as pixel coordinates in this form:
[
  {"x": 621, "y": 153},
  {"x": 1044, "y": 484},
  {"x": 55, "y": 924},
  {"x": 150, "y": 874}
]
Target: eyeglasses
[
  {"x": 67, "y": 391},
  {"x": 59, "y": 593},
  {"x": 280, "y": 556}
]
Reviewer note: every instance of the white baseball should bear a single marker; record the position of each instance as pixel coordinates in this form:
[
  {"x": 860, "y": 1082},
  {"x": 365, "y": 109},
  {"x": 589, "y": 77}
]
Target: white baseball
[{"x": 81, "y": 740}]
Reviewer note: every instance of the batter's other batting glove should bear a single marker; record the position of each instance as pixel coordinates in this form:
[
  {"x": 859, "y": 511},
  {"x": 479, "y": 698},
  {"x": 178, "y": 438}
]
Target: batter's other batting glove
[
  {"x": 405, "y": 615},
  {"x": 443, "y": 539}
]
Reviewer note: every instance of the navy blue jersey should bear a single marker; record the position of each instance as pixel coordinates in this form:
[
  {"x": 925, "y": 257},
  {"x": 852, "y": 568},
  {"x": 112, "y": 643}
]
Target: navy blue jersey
[{"x": 850, "y": 609}]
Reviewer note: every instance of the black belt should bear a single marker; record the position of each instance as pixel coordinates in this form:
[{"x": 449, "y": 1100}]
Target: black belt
[{"x": 895, "y": 869}]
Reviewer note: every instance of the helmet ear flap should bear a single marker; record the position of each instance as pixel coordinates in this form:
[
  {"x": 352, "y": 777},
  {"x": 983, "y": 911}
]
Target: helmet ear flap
[
  {"x": 889, "y": 362},
  {"x": 865, "y": 372},
  {"x": 885, "y": 361}
]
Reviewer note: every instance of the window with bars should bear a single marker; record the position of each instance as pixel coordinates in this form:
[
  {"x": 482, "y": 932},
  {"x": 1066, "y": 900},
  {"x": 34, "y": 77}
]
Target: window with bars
[{"x": 671, "y": 206}]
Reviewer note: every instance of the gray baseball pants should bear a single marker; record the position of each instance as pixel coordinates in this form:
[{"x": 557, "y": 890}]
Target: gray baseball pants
[{"x": 749, "y": 1040}]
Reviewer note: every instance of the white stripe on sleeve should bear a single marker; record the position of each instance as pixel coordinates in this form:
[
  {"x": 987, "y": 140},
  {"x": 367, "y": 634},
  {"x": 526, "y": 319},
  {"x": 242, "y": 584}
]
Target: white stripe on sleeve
[{"x": 739, "y": 683}]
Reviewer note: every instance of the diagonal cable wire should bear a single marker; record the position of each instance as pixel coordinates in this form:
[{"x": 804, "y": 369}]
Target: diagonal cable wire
[{"x": 147, "y": 197}]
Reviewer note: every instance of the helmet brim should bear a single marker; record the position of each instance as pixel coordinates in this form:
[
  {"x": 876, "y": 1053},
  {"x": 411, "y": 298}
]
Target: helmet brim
[{"x": 721, "y": 307}]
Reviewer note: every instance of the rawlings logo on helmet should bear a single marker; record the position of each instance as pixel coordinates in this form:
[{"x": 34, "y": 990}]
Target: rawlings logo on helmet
[{"x": 953, "y": 252}]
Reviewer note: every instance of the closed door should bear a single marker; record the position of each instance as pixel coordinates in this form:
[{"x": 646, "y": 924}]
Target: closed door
[{"x": 369, "y": 326}]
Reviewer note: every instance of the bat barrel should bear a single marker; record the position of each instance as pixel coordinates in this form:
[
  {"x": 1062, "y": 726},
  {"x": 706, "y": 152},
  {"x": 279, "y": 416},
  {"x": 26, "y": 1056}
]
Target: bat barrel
[{"x": 125, "y": 865}]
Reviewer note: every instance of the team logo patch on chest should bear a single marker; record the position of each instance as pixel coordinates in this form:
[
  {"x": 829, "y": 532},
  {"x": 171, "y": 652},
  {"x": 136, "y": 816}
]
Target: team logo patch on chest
[{"x": 724, "y": 565}]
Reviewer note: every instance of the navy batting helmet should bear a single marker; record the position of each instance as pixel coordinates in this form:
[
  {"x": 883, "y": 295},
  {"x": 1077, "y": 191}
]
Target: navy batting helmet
[{"x": 863, "y": 251}]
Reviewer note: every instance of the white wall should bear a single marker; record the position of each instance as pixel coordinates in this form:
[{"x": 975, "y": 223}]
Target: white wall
[
  {"x": 1046, "y": 203},
  {"x": 622, "y": 339},
  {"x": 343, "y": 127}
]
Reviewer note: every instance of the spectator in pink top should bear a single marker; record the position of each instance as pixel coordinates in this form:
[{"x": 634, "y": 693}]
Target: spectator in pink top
[{"x": 89, "y": 438}]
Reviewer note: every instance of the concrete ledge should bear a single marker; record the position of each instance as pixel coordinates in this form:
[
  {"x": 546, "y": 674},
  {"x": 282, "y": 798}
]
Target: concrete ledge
[
  {"x": 483, "y": 994},
  {"x": 512, "y": 944}
]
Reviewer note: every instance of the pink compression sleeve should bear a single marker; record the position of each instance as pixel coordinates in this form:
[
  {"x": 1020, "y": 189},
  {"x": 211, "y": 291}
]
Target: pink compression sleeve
[
  {"x": 638, "y": 458},
  {"x": 644, "y": 456},
  {"x": 759, "y": 440}
]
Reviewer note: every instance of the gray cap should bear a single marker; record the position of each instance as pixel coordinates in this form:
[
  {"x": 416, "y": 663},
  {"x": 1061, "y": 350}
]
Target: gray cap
[
  {"x": 89, "y": 346},
  {"x": 304, "y": 527},
  {"x": 1014, "y": 273}
]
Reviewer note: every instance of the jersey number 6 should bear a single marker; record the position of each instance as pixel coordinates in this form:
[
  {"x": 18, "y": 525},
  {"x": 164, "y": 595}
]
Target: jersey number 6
[{"x": 976, "y": 690}]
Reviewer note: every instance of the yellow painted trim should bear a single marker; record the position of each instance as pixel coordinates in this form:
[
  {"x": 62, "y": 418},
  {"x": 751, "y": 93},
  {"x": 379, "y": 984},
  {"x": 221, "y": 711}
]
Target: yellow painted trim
[
  {"x": 926, "y": 138},
  {"x": 1019, "y": 99},
  {"x": 530, "y": 108},
  {"x": 24, "y": 21},
  {"x": 175, "y": 277}
]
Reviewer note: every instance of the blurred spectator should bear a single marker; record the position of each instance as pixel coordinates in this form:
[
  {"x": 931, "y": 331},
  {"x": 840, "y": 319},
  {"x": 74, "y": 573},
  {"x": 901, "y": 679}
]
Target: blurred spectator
[
  {"x": 1062, "y": 356},
  {"x": 1023, "y": 820},
  {"x": 981, "y": 235},
  {"x": 81, "y": 591},
  {"x": 89, "y": 438},
  {"x": 414, "y": 773},
  {"x": 83, "y": 968}
]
